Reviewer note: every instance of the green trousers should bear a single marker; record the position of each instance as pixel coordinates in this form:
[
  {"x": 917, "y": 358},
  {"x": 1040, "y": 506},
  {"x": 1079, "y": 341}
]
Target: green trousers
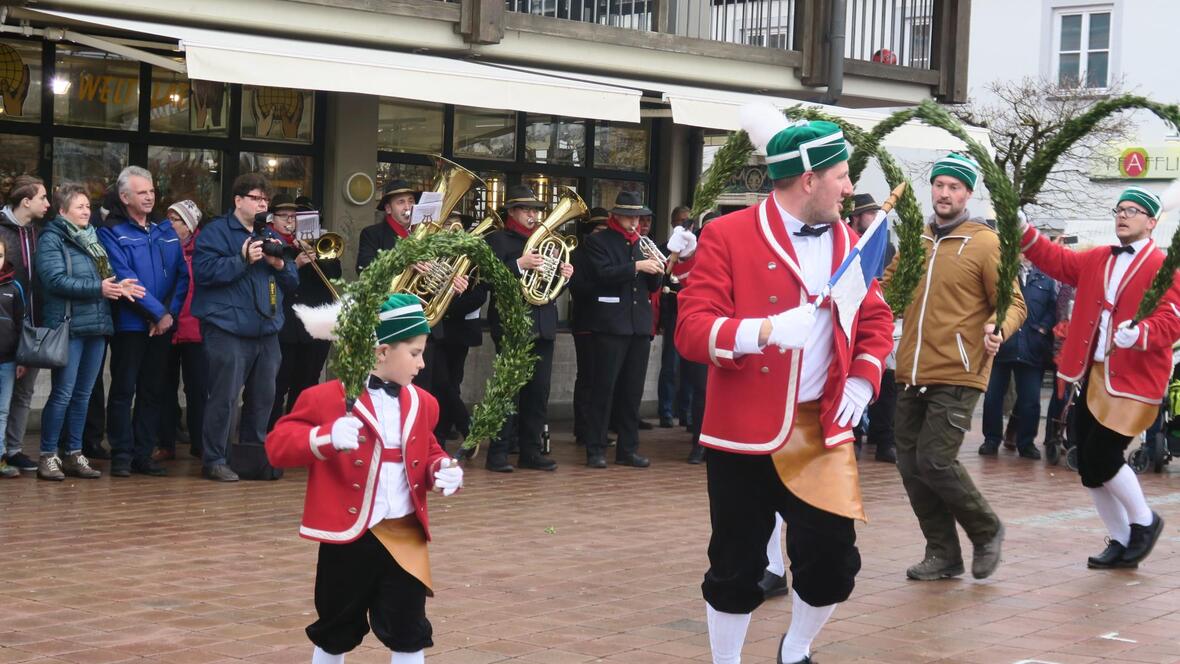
[{"x": 929, "y": 429}]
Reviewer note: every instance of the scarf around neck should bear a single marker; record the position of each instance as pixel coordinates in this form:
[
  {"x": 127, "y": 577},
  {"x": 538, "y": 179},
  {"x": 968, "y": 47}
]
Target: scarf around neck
[
  {"x": 614, "y": 225},
  {"x": 87, "y": 238},
  {"x": 402, "y": 231},
  {"x": 519, "y": 228}
]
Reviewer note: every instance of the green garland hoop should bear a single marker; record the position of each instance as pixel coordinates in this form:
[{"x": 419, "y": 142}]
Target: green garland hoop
[
  {"x": 1043, "y": 162},
  {"x": 362, "y": 299}
]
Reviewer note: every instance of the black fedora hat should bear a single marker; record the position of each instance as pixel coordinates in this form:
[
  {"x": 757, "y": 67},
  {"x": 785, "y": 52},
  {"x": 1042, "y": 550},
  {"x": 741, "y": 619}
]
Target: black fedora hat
[
  {"x": 520, "y": 195},
  {"x": 283, "y": 201},
  {"x": 864, "y": 203},
  {"x": 393, "y": 188},
  {"x": 597, "y": 216},
  {"x": 630, "y": 204}
]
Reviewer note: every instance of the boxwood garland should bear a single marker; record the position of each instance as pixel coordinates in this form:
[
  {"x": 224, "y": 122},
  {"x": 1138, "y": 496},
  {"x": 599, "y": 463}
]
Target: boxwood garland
[{"x": 362, "y": 300}]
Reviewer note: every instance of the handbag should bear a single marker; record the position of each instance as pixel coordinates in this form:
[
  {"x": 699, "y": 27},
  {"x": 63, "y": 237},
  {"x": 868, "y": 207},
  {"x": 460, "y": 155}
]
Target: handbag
[{"x": 46, "y": 347}]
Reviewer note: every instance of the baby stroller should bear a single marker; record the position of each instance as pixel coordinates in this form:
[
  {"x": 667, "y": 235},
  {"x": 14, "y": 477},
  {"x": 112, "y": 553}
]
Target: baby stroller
[
  {"x": 1162, "y": 440},
  {"x": 1059, "y": 441}
]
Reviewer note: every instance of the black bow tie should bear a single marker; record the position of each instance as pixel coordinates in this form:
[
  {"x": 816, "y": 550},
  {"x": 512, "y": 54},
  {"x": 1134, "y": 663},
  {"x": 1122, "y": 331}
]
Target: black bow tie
[
  {"x": 391, "y": 388},
  {"x": 812, "y": 231},
  {"x": 1126, "y": 249}
]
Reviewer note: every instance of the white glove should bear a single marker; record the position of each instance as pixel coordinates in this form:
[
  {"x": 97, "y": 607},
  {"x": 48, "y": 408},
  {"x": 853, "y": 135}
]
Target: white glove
[
  {"x": 1127, "y": 335},
  {"x": 345, "y": 433},
  {"x": 1023, "y": 221},
  {"x": 682, "y": 241},
  {"x": 857, "y": 392},
  {"x": 449, "y": 477},
  {"x": 791, "y": 328}
]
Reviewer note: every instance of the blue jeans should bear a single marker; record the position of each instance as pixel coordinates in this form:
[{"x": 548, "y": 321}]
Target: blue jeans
[
  {"x": 667, "y": 383},
  {"x": 7, "y": 381},
  {"x": 1027, "y": 410},
  {"x": 70, "y": 395}
]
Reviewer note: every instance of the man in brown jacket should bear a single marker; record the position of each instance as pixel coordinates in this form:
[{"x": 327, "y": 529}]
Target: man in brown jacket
[{"x": 943, "y": 364}]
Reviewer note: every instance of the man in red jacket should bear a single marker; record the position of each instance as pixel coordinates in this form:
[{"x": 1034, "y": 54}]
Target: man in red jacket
[
  {"x": 1122, "y": 366},
  {"x": 368, "y": 474},
  {"x": 786, "y": 383}
]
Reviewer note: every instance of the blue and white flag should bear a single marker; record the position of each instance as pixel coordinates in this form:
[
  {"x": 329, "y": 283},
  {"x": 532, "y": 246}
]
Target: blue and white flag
[{"x": 850, "y": 283}]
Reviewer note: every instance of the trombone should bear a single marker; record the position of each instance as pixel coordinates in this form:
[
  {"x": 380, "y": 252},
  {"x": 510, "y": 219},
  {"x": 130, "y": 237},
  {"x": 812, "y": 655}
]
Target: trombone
[{"x": 326, "y": 247}]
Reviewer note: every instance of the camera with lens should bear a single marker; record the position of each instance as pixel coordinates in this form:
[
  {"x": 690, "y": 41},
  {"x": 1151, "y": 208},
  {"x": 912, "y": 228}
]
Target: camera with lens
[{"x": 271, "y": 246}]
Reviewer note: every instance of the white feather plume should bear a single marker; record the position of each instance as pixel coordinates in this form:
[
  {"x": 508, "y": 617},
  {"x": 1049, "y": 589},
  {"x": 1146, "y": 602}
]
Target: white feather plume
[
  {"x": 762, "y": 121},
  {"x": 1170, "y": 199},
  {"x": 320, "y": 321}
]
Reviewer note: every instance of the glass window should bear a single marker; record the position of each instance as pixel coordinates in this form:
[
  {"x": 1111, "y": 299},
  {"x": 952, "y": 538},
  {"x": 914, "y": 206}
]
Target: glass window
[
  {"x": 188, "y": 107},
  {"x": 485, "y": 133},
  {"x": 1071, "y": 32},
  {"x": 183, "y": 173},
  {"x": 549, "y": 188},
  {"x": 605, "y": 191},
  {"x": 288, "y": 174},
  {"x": 92, "y": 164},
  {"x": 408, "y": 126},
  {"x": 551, "y": 140},
  {"x": 20, "y": 156},
  {"x": 92, "y": 88},
  {"x": 20, "y": 80},
  {"x": 621, "y": 145},
  {"x": 277, "y": 114},
  {"x": 419, "y": 177},
  {"x": 1083, "y": 49},
  {"x": 481, "y": 200}
]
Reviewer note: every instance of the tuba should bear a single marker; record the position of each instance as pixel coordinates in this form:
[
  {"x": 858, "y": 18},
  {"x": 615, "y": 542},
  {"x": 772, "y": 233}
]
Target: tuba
[
  {"x": 433, "y": 287},
  {"x": 542, "y": 286}
]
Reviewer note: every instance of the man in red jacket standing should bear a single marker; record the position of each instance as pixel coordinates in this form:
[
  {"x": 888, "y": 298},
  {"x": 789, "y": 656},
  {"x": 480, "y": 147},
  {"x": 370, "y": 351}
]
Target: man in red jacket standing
[
  {"x": 786, "y": 383},
  {"x": 1122, "y": 367},
  {"x": 368, "y": 474}
]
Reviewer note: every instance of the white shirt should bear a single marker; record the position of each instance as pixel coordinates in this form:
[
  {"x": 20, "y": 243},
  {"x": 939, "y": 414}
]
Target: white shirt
[
  {"x": 1121, "y": 263},
  {"x": 393, "y": 489},
  {"x": 815, "y": 260}
]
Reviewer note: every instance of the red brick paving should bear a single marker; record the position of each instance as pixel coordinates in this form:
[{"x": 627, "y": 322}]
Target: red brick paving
[{"x": 566, "y": 567}]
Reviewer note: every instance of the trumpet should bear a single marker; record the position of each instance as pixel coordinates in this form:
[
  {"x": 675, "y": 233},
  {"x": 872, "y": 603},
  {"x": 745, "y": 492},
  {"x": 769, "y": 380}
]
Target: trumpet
[{"x": 651, "y": 250}]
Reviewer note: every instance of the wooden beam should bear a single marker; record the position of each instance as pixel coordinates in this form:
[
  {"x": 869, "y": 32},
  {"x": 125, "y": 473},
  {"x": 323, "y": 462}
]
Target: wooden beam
[
  {"x": 482, "y": 21},
  {"x": 811, "y": 29},
  {"x": 950, "y": 48}
]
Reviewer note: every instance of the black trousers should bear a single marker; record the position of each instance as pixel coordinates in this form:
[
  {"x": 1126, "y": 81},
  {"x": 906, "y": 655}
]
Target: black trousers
[
  {"x": 449, "y": 361},
  {"x": 1101, "y": 452},
  {"x": 745, "y": 492},
  {"x": 299, "y": 370},
  {"x": 360, "y": 584},
  {"x": 187, "y": 359},
  {"x": 695, "y": 375},
  {"x": 240, "y": 368},
  {"x": 881, "y": 413},
  {"x": 620, "y": 365},
  {"x": 138, "y": 363},
  {"x": 526, "y": 426},
  {"x": 583, "y": 383}
]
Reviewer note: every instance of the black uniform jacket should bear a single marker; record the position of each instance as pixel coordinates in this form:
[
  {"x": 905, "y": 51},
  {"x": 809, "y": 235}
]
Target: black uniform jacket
[
  {"x": 621, "y": 295},
  {"x": 377, "y": 237},
  {"x": 508, "y": 246}
]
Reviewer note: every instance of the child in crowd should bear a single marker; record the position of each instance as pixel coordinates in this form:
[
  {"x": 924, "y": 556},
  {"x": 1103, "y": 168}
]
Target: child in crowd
[
  {"x": 368, "y": 474},
  {"x": 12, "y": 313}
]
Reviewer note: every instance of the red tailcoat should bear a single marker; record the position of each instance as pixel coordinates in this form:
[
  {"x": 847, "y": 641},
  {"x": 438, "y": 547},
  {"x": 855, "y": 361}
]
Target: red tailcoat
[
  {"x": 341, "y": 485},
  {"x": 1141, "y": 372},
  {"x": 745, "y": 267}
]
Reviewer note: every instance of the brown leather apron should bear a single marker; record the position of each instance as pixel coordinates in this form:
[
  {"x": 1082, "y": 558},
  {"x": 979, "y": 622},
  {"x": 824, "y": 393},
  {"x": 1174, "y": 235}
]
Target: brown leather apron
[
  {"x": 406, "y": 542},
  {"x": 825, "y": 478},
  {"x": 1129, "y": 417}
]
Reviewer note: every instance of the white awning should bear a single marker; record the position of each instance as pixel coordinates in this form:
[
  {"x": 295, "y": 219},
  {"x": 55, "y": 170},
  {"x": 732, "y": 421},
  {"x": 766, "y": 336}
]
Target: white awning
[{"x": 230, "y": 57}]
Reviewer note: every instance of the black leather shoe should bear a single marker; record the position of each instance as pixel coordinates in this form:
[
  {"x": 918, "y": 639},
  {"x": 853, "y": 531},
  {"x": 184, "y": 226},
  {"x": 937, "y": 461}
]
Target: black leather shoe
[
  {"x": 596, "y": 461},
  {"x": 779, "y": 655},
  {"x": 1030, "y": 452},
  {"x": 1110, "y": 558},
  {"x": 220, "y": 473},
  {"x": 498, "y": 465},
  {"x": 989, "y": 448},
  {"x": 119, "y": 471},
  {"x": 886, "y": 454},
  {"x": 772, "y": 585},
  {"x": 666, "y": 423},
  {"x": 1143, "y": 539},
  {"x": 697, "y": 455},
  {"x": 635, "y": 461},
  {"x": 148, "y": 467},
  {"x": 644, "y": 425},
  {"x": 537, "y": 463}
]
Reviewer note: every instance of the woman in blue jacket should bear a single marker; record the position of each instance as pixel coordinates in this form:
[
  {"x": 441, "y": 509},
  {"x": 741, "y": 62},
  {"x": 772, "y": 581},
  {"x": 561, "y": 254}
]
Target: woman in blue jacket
[{"x": 76, "y": 282}]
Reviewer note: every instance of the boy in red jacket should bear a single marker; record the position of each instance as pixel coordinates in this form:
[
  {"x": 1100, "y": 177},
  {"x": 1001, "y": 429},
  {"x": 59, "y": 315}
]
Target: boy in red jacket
[
  {"x": 1122, "y": 367},
  {"x": 368, "y": 474}
]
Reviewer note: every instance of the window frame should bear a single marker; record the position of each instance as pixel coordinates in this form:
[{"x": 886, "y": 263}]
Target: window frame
[{"x": 1084, "y": 50}]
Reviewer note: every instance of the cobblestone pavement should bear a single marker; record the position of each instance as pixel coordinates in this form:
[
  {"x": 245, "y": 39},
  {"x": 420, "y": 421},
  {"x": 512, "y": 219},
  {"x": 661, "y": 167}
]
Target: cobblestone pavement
[{"x": 578, "y": 565}]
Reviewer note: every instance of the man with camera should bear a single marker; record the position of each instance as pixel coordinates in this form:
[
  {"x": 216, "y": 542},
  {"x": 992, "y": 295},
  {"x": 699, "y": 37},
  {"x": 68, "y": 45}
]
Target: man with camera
[{"x": 241, "y": 279}]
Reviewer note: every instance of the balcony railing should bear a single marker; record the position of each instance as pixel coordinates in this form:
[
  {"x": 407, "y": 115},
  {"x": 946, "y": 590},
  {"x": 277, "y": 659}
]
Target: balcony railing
[{"x": 891, "y": 32}]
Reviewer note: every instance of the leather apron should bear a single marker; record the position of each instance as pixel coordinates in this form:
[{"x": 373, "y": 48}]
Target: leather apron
[{"x": 823, "y": 477}]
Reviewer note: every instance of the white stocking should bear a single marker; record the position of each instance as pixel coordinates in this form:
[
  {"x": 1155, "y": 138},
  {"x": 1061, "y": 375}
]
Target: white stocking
[
  {"x": 774, "y": 548},
  {"x": 806, "y": 621},
  {"x": 727, "y": 633},
  {"x": 319, "y": 656},
  {"x": 408, "y": 657},
  {"x": 1125, "y": 486},
  {"x": 1113, "y": 516}
]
